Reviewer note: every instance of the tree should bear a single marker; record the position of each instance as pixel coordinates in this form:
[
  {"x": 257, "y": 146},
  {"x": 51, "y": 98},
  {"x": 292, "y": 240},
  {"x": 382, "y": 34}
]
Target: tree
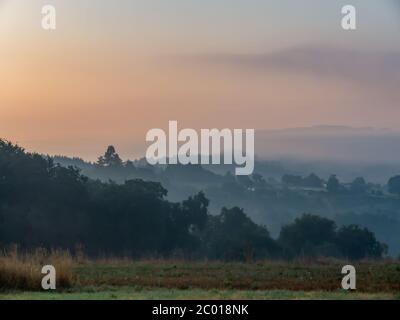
[
  {"x": 394, "y": 185},
  {"x": 358, "y": 185},
  {"x": 232, "y": 235},
  {"x": 110, "y": 158},
  {"x": 195, "y": 210},
  {"x": 358, "y": 243},
  {"x": 333, "y": 185},
  {"x": 306, "y": 234},
  {"x": 313, "y": 181}
]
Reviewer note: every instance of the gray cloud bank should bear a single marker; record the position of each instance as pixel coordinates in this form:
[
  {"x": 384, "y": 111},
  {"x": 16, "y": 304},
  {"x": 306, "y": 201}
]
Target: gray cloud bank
[{"x": 361, "y": 66}]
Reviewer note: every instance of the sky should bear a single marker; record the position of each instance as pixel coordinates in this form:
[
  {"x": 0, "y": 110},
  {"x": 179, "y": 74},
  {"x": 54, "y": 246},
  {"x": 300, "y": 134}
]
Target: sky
[{"x": 112, "y": 70}]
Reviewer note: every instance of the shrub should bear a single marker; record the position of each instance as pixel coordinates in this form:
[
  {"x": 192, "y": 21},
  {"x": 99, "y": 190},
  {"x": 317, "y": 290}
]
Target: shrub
[{"x": 22, "y": 271}]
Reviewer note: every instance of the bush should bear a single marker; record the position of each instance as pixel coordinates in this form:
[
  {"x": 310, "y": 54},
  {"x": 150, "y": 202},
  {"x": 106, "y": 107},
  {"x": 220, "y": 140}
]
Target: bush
[{"x": 22, "y": 271}]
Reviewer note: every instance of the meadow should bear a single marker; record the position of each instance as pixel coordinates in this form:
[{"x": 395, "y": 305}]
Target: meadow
[{"x": 82, "y": 278}]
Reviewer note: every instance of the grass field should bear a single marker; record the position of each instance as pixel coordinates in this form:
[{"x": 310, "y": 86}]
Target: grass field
[
  {"x": 157, "y": 279},
  {"x": 128, "y": 293}
]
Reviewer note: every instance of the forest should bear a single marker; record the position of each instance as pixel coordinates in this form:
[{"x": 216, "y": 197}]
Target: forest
[
  {"x": 276, "y": 194},
  {"x": 44, "y": 204}
]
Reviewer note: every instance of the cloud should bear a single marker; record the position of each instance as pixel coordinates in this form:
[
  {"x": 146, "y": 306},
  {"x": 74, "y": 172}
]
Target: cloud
[{"x": 360, "y": 66}]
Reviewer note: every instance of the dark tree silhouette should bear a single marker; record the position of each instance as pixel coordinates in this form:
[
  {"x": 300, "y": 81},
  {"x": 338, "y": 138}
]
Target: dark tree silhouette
[
  {"x": 313, "y": 181},
  {"x": 333, "y": 185},
  {"x": 358, "y": 185},
  {"x": 306, "y": 234},
  {"x": 357, "y": 243},
  {"x": 233, "y": 236},
  {"x": 110, "y": 158}
]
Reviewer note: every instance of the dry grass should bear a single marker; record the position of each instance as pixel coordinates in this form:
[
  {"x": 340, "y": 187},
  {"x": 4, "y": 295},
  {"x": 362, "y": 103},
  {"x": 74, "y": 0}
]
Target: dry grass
[{"x": 22, "y": 271}]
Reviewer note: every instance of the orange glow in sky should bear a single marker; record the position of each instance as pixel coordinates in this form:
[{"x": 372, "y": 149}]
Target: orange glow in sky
[{"x": 110, "y": 73}]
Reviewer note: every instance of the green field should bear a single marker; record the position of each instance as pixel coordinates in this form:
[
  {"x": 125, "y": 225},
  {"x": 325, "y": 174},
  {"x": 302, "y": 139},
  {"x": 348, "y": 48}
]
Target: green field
[
  {"x": 127, "y": 293},
  {"x": 155, "y": 279}
]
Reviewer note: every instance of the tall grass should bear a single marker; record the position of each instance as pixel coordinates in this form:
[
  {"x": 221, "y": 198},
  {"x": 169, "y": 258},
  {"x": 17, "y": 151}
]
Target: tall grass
[{"x": 22, "y": 270}]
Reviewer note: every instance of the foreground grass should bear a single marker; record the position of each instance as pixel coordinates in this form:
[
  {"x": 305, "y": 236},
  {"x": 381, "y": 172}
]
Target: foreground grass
[
  {"x": 80, "y": 278},
  {"x": 324, "y": 275},
  {"x": 23, "y": 271},
  {"x": 126, "y": 293}
]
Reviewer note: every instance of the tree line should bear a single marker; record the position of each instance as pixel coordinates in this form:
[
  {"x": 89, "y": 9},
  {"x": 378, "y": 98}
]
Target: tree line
[{"x": 43, "y": 204}]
